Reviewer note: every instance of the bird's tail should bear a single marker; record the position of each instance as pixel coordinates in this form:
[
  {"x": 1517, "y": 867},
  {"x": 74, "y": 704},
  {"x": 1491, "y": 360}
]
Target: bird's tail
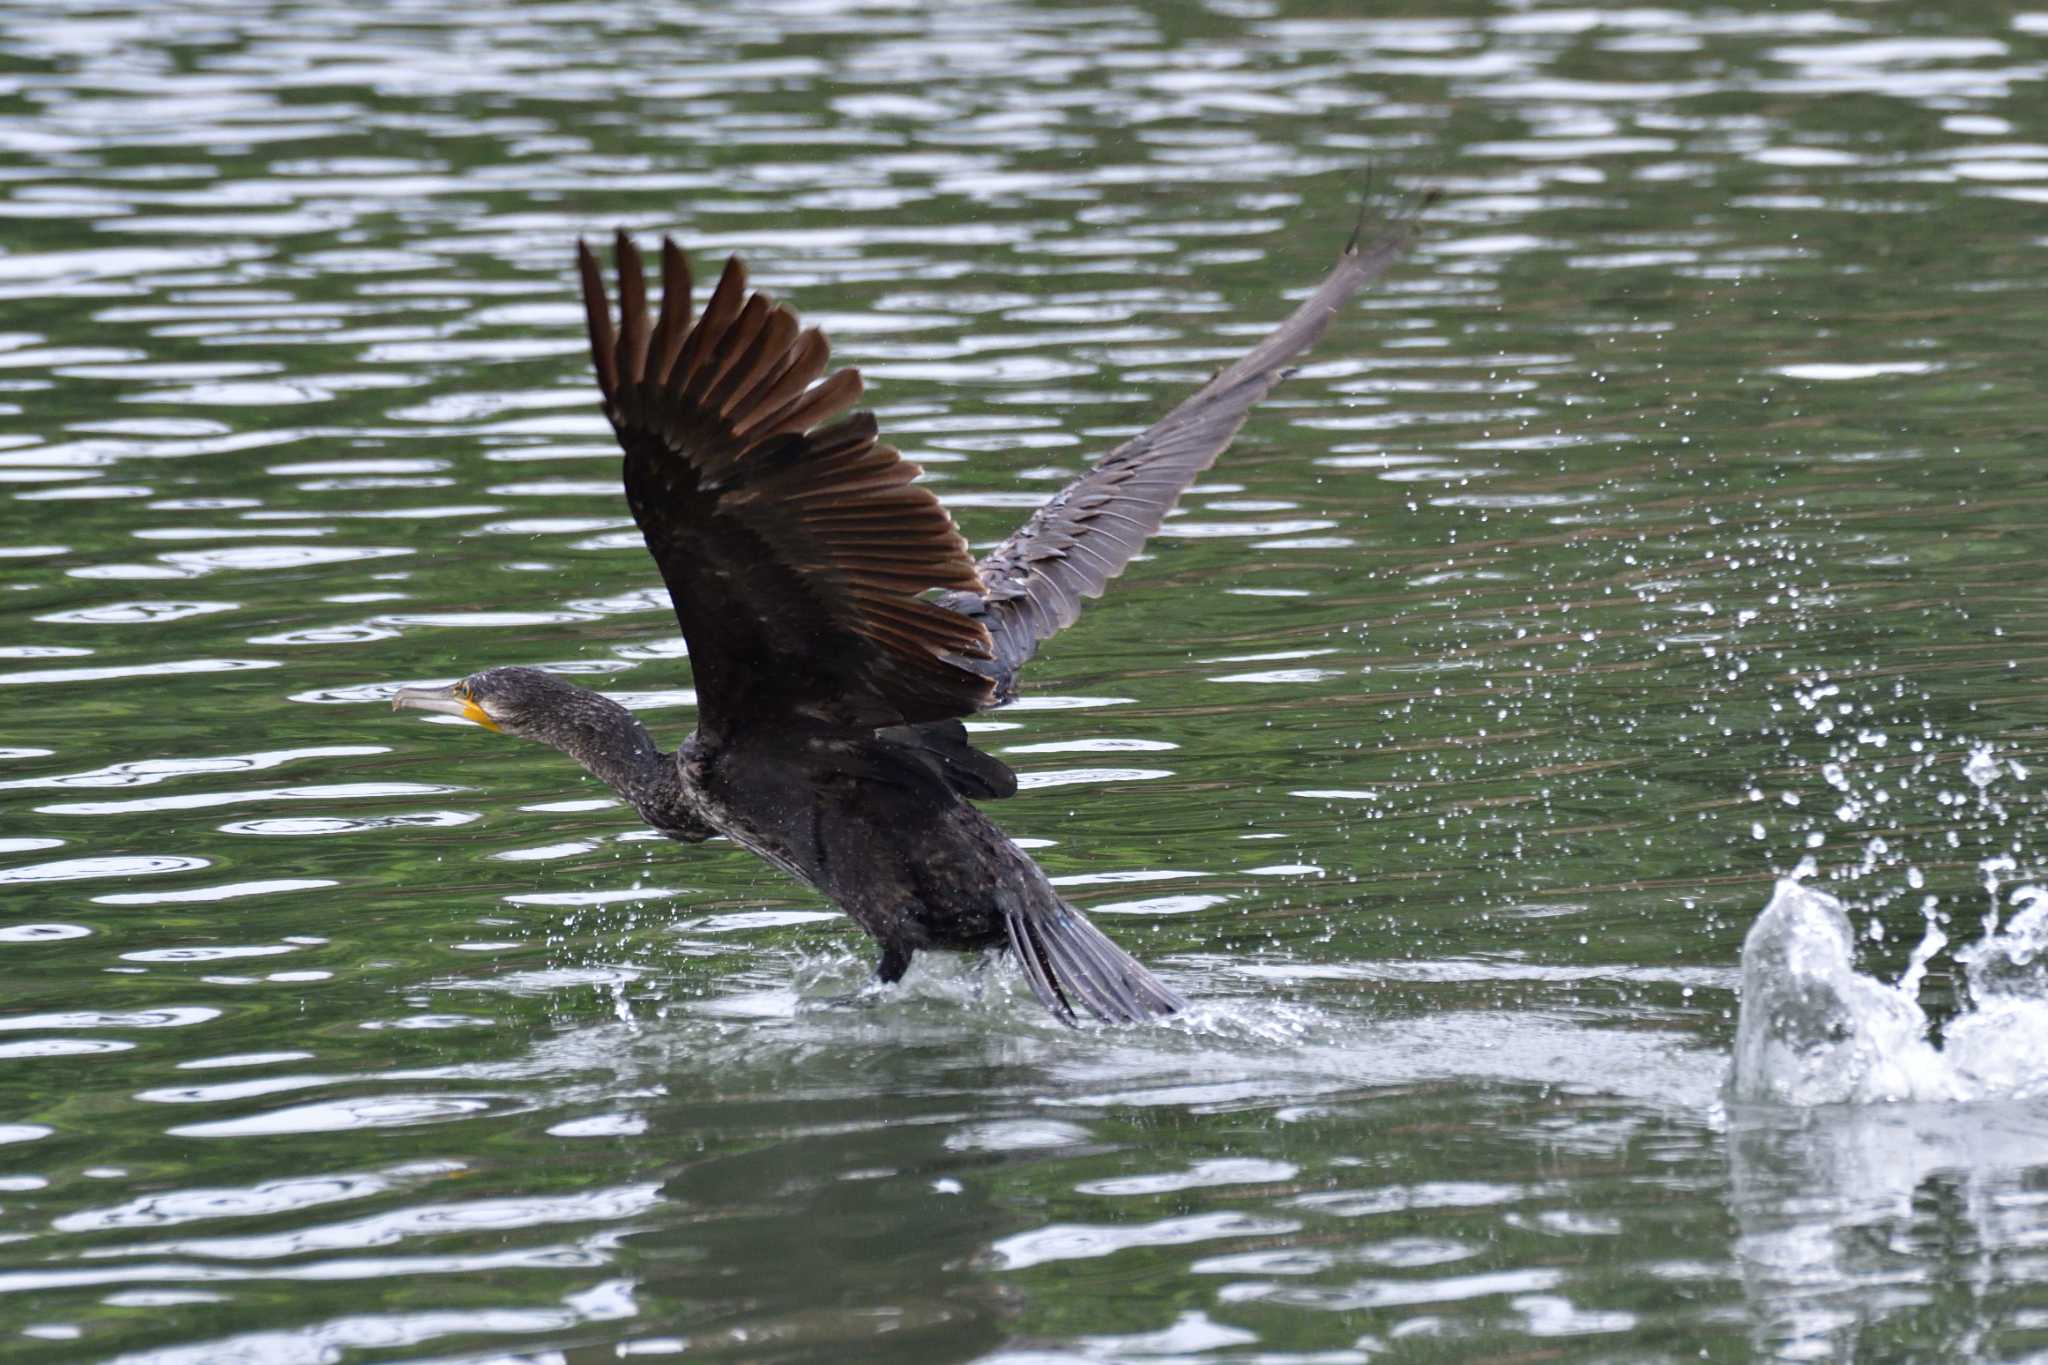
[{"x": 1067, "y": 959}]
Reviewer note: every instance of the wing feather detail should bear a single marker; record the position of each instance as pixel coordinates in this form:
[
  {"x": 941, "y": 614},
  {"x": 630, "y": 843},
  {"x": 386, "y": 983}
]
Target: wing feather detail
[
  {"x": 1072, "y": 547},
  {"x": 795, "y": 552}
]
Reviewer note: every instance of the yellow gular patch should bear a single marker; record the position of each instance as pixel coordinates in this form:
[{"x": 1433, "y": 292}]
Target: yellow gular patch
[{"x": 471, "y": 711}]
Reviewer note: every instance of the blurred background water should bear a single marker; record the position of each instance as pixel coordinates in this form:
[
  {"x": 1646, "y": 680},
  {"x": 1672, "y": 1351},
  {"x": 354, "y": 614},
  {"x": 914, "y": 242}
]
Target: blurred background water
[{"x": 1673, "y": 516}]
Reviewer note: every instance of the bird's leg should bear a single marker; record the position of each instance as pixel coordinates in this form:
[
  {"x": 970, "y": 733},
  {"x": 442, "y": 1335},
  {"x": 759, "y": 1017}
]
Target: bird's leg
[{"x": 894, "y": 963}]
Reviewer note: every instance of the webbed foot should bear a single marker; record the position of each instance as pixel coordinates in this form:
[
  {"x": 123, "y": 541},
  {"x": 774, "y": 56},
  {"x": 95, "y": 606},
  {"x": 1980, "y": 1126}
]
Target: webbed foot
[{"x": 888, "y": 971}]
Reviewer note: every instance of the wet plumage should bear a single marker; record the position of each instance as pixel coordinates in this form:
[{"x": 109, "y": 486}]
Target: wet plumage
[{"x": 838, "y": 628}]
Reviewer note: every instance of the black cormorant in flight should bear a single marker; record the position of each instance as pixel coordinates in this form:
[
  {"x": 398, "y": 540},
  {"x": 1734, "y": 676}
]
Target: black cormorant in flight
[{"x": 838, "y": 629}]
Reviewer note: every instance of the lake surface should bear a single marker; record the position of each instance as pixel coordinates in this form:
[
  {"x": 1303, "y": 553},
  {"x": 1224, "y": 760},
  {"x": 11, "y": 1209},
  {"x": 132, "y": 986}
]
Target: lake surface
[{"x": 1673, "y": 516}]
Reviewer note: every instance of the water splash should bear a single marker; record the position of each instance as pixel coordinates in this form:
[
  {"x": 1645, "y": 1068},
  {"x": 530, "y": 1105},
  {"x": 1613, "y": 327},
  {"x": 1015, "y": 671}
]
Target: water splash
[{"x": 1814, "y": 1030}]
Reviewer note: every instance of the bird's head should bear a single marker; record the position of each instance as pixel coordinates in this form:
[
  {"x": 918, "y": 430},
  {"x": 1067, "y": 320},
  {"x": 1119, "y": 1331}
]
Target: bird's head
[
  {"x": 514, "y": 701},
  {"x": 599, "y": 733}
]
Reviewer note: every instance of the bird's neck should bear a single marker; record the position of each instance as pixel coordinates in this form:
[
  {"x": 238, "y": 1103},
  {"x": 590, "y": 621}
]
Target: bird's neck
[{"x": 615, "y": 748}]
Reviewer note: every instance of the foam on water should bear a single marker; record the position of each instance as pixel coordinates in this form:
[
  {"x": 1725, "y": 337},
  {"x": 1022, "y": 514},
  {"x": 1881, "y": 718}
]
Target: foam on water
[{"x": 1814, "y": 1030}]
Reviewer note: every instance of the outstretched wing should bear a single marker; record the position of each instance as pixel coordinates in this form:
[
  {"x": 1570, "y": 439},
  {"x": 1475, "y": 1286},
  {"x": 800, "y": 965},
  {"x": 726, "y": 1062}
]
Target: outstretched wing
[
  {"x": 794, "y": 551},
  {"x": 1075, "y": 544}
]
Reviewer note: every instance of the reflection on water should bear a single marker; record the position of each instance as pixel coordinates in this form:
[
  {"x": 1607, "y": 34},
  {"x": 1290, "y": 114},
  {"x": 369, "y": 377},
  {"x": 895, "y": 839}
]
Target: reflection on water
[
  {"x": 1907, "y": 1229},
  {"x": 1667, "y": 521}
]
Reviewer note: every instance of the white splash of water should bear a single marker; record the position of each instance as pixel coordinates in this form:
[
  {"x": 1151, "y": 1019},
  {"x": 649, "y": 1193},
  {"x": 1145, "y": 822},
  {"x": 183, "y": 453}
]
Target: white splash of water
[
  {"x": 2001, "y": 1045},
  {"x": 1814, "y": 1030}
]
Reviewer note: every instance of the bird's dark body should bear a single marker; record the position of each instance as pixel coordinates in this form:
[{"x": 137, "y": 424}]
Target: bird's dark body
[
  {"x": 880, "y": 821},
  {"x": 865, "y": 821},
  {"x": 877, "y": 821},
  {"x": 838, "y": 629}
]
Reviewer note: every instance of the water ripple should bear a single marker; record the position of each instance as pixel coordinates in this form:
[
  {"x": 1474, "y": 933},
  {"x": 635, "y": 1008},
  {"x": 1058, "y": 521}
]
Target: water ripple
[
  {"x": 149, "y": 772},
  {"x": 84, "y": 869},
  {"x": 111, "y": 672},
  {"x": 348, "y": 1115},
  {"x": 179, "y": 1017},
  {"x": 188, "y": 1206}
]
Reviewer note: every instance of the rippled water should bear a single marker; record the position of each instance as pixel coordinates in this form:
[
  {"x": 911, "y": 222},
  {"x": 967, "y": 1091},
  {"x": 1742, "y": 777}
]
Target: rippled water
[{"x": 1672, "y": 516}]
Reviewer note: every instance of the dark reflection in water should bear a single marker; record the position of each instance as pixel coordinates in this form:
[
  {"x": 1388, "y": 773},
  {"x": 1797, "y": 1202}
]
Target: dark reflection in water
[{"x": 1669, "y": 519}]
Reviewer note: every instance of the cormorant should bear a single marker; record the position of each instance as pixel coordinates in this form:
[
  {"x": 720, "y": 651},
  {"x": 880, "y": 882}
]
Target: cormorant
[{"x": 838, "y": 629}]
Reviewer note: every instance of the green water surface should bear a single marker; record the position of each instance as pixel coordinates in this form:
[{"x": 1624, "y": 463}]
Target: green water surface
[{"x": 1671, "y": 517}]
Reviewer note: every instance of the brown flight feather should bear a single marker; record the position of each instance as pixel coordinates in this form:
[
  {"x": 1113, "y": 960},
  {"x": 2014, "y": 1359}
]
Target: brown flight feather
[{"x": 795, "y": 552}]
